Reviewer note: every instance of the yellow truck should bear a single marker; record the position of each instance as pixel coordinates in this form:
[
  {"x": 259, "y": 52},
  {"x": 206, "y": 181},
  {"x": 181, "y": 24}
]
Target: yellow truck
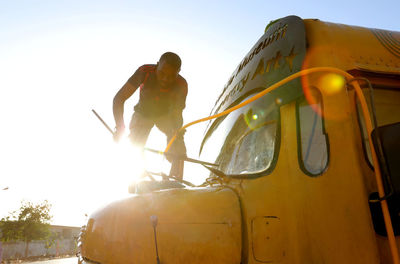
[{"x": 306, "y": 138}]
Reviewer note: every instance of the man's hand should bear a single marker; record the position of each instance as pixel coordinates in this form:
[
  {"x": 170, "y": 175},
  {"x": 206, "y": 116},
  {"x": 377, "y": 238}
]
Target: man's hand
[{"x": 119, "y": 132}]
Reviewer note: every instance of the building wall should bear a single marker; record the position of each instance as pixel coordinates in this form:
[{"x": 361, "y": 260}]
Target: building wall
[
  {"x": 16, "y": 250},
  {"x": 65, "y": 244}
]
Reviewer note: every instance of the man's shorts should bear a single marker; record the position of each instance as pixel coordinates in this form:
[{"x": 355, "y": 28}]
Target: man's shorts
[{"x": 140, "y": 127}]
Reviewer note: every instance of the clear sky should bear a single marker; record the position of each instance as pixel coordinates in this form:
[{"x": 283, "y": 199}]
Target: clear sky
[{"x": 60, "y": 59}]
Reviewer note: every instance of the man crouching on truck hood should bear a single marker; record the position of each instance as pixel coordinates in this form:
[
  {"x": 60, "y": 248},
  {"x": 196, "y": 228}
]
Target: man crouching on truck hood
[{"x": 161, "y": 102}]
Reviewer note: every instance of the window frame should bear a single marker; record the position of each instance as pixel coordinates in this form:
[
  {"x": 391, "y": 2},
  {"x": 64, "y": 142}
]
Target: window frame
[
  {"x": 299, "y": 142},
  {"x": 379, "y": 81},
  {"x": 359, "y": 115},
  {"x": 277, "y": 146},
  {"x": 361, "y": 129}
]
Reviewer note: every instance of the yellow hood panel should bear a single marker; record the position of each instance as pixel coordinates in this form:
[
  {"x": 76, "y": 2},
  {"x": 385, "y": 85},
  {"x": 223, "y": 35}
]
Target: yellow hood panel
[{"x": 194, "y": 226}]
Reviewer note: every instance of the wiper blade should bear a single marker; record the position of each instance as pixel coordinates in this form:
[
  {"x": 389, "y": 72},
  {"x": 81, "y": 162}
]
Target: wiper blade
[
  {"x": 181, "y": 157},
  {"x": 233, "y": 176},
  {"x": 165, "y": 176},
  {"x": 216, "y": 171}
]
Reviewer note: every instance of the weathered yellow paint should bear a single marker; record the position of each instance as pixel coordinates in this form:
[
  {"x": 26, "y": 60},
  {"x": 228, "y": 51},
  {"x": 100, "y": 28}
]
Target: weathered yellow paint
[
  {"x": 356, "y": 48},
  {"x": 266, "y": 232},
  {"x": 194, "y": 226},
  {"x": 348, "y": 47},
  {"x": 319, "y": 217},
  {"x": 285, "y": 216}
]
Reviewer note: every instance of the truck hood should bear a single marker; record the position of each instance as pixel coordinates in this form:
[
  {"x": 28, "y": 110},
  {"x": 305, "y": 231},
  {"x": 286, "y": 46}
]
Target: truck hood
[{"x": 200, "y": 225}]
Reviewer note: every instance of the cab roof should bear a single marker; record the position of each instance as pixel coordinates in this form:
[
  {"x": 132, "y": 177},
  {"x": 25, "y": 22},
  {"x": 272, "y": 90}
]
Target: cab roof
[{"x": 352, "y": 47}]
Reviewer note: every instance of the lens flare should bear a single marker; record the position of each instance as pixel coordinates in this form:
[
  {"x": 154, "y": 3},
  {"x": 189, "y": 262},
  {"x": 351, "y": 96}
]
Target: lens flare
[
  {"x": 278, "y": 101},
  {"x": 325, "y": 94},
  {"x": 331, "y": 83}
]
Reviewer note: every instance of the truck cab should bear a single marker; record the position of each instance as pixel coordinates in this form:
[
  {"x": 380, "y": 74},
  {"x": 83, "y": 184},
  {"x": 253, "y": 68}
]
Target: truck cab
[{"x": 296, "y": 176}]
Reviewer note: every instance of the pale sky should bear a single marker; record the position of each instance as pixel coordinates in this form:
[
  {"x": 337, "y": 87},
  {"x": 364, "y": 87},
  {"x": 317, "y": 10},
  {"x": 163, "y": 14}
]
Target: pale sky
[{"x": 60, "y": 59}]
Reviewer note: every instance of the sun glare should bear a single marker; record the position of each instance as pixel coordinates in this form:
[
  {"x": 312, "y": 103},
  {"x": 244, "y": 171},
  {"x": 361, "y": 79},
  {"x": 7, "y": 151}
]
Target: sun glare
[{"x": 132, "y": 162}]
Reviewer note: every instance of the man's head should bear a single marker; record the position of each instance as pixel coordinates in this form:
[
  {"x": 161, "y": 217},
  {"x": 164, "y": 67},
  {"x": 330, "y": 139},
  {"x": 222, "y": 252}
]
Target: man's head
[{"x": 168, "y": 68}]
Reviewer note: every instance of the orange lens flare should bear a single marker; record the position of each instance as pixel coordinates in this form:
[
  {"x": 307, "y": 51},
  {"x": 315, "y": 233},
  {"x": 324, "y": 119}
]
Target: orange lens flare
[
  {"x": 330, "y": 87},
  {"x": 331, "y": 83}
]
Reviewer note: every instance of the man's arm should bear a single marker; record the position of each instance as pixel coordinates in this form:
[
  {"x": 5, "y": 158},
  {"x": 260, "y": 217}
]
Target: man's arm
[
  {"x": 179, "y": 103},
  {"x": 118, "y": 108},
  {"x": 118, "y": 103},
  {"x": 180, "y": 100},
  {"x": 119, "y": 100}
]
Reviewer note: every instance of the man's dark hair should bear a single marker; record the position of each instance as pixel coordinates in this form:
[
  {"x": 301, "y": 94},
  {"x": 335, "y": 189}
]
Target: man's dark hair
[{"x": 172, "y": 59}]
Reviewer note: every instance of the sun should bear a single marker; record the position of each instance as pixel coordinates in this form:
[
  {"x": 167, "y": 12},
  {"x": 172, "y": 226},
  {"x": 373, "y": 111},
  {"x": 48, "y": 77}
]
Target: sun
[
  {"x": 131, "y": 161},
  {"x": 128, "y": 160}
]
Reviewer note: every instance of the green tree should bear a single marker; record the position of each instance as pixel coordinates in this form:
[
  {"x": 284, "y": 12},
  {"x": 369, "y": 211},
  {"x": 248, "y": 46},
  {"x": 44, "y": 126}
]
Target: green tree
[{"x": 31, "y": 222}]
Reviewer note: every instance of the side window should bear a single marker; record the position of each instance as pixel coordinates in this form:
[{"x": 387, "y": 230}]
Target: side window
[
  {"x": 313, "y": 147},
  {"x": 245, "y": 142},
  {"x": 387, "y": 106}
]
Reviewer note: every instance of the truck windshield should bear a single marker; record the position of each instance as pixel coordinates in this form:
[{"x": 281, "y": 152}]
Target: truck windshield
[{"x": 244, "y": 142}]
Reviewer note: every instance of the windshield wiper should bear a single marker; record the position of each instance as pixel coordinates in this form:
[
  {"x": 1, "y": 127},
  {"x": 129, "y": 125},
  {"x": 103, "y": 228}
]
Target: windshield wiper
[
  {"x": 181, "y": 157},
  {"x": 234, "y": 176}
]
